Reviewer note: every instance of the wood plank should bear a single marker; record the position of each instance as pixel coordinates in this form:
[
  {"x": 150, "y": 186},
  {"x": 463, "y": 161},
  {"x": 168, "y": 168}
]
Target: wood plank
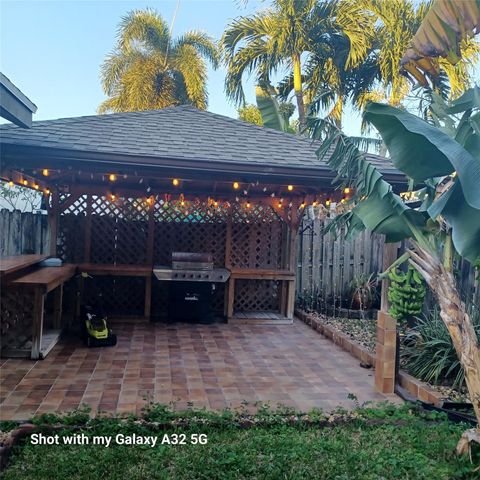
[
  {"x": 148, "y": 296},
  {"x": 53, "y": 222},
  {"x": 88, "y": 230},
  {"x": 230, "y": 297},
  {"x": 37, "y": 326},
  {"x": 252, "y": 274},
  {"x": 46, "y": 278},
  {"x": 58, "y": 307},
  {"x": 118, "y": 269},
  {"x": 16, "y": 263},
  {"x": 49, "y": 339}
]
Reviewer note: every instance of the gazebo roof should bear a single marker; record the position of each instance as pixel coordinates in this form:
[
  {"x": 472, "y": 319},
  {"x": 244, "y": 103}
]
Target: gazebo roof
[{"x": 181, "y": 136}]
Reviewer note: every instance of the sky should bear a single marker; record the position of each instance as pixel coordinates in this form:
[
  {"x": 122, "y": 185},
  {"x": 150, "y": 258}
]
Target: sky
[{"x": 52, "y": 50}]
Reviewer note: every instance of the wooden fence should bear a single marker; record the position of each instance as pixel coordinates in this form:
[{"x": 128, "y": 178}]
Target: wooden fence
[
  {"x": 325, "y": 267},
  {"x": 328, "y": 266},
  {"x": 23, "y": 233}
]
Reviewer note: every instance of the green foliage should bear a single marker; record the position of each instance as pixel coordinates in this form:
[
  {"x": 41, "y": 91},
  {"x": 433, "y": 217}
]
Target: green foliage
[
  {"x": 148, "y": 69},
  {"x": 251, "y": 114},
  {"x": 429, "y": 354},
  {"x": 436, "y": 155},
  {"x": 363, "y": 288},
  {"x": 406, "y": 293},
  {"x": 371, "y": 443}
]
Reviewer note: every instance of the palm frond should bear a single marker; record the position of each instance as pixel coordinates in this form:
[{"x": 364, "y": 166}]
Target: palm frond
[{"x": 202, "y": 43}]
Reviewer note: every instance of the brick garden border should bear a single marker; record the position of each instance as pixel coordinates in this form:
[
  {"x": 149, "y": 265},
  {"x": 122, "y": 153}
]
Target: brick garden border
[{"x": 416, "y": 388}]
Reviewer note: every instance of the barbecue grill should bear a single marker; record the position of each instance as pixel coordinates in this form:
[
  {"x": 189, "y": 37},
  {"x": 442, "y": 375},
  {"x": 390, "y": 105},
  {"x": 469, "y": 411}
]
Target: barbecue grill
[{"x": 193, "y": 278}]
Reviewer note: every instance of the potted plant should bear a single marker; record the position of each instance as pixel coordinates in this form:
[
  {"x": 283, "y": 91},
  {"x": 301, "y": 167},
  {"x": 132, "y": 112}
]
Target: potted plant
[{"x": 363, "y": 290}]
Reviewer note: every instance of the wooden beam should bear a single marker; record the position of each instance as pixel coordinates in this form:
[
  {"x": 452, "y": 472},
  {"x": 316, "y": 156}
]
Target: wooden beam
[
  {"x": 58, "y": 307},
  {"x": 88, "y": 230},
  {"x": 37, "y": 325},
  {"x": 53, "y": 222}
]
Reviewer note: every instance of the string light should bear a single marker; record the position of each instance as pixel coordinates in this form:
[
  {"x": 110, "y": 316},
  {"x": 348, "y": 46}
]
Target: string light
[
  {"x": 25, "y": 182},
  {"x": 149, "y": 200},
  {"x": 47, "y": 191},
  {"x": 35, "y": 186},
  {"x": 302, "y": 205},
  {"x": 328, "y": 202},
  {"x": 10, "y": 184},
  {"x": 215, "y": 203},
  {"x": 314, "y": 204},
  {"x": 280, "y": 204},
  {"x": 45, "y": 172},
  {"x": 175, "y": 182},
  {"x": 343, "y": 200},
  {"x": 113, "y": 197},
  {"x": 248, "y": 205},
  {"x": 290, "y": 188},
  {"x": 112, "y": 177},
  {"x": 346, "y": 190},
  {"x": 236, "y": 185}
]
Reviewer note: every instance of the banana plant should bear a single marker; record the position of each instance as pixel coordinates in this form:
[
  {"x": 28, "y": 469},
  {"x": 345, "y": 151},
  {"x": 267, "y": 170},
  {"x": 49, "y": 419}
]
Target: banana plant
[
  {"x": 447, "y": 26},
  {"x": 447, "y": 165},
  {"x": 270, "y": 110}
]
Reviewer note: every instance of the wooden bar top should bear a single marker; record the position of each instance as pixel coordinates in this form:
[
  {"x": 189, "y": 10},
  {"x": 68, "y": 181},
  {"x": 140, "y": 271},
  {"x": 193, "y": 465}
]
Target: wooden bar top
[
  {"x": 46, "y": 278},
  {"x": 262, "y": 274},
  {"x": 118, "y": 269},
  {"x": 15, "y": 263}
]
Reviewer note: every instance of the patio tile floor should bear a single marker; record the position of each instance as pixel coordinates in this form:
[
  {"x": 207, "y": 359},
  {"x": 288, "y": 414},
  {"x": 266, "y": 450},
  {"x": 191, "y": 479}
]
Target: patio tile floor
[{"x": 213, "y": 366}]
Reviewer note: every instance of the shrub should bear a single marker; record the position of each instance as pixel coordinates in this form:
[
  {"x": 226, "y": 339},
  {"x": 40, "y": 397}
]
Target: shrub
[{"x": 428, "y": 351}]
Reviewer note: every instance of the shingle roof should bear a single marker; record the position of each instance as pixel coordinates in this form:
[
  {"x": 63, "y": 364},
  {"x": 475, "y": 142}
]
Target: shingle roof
[{"x": 182, "y": 132}]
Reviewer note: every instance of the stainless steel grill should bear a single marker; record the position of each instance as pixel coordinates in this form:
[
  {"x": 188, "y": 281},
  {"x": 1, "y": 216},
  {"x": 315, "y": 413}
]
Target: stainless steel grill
[
  {"x": 191, "y": 267},
  {"x": 193, "y": 285}
]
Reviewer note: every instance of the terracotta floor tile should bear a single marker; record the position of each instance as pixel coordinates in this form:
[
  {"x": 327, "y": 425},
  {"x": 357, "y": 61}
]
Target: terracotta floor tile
[{"x": 208, "y": 365}]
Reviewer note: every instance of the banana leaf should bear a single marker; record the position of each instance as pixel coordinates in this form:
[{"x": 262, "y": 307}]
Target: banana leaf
[
  {"x": 464, "y": 220},
  {"x": 269, "y": 109},
  {"x": 422, "y": 151},
  {"x": 440, "y": 34}
]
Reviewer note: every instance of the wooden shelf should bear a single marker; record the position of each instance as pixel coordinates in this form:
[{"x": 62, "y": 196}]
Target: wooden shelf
[
  {"x": 257, "y": 274},
  {"x": 119, "y": 269},
  {"x": 49, "y": 339}
]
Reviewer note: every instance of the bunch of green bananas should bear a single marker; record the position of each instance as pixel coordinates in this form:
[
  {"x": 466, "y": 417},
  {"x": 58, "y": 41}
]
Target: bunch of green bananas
[{"x": 406, "y": 293}]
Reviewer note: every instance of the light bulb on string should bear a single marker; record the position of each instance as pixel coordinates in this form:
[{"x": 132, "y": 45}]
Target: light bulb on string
[
  {"x": 112, "y": 177},
  {"x": 45, "y": 172},
  {"x": 10, "y": 184},
  {"x": 290, "y": 188},
  {"x": 175, "y": 182},
  {"x": 236, "y": 185}
]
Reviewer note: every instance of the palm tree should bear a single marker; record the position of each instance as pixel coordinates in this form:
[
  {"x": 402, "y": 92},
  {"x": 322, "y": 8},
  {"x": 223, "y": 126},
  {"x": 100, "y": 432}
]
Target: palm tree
[
  {"x": 286, "y": 35},
  {"x": 396, "y": 22},
  {"x": 149, "y": 69}
]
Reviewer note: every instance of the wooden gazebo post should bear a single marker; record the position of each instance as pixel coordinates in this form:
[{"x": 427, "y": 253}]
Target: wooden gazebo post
[{"x": 385, "y": 353}]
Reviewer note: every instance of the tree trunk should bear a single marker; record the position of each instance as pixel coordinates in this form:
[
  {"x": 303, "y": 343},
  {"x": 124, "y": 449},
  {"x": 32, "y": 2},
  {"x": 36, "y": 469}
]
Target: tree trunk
[
  {"x": 297, "y": 86},
  {"x": 455, "y": 317}
]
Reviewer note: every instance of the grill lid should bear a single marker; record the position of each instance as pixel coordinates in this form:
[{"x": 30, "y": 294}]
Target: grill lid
[{"x": 192, "y": 261}]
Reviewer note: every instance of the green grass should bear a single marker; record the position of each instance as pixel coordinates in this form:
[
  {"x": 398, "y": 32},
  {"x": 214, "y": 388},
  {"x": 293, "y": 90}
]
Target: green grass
[{"x": 382, "y": 443}]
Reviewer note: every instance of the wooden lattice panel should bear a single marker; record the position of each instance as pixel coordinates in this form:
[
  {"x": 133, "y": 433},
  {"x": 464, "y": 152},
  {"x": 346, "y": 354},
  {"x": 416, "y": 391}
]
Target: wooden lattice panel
[
  {"x": 197, "y": 228},
  {"x": 119, "y": 231},
  {"x": 257, "y": 296},
  {"x": 123, "y": 296},
  {"x": 71, "y": 229},
  {"x": 16, "y": 317},
  {"x": 257, "y": 238}
]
